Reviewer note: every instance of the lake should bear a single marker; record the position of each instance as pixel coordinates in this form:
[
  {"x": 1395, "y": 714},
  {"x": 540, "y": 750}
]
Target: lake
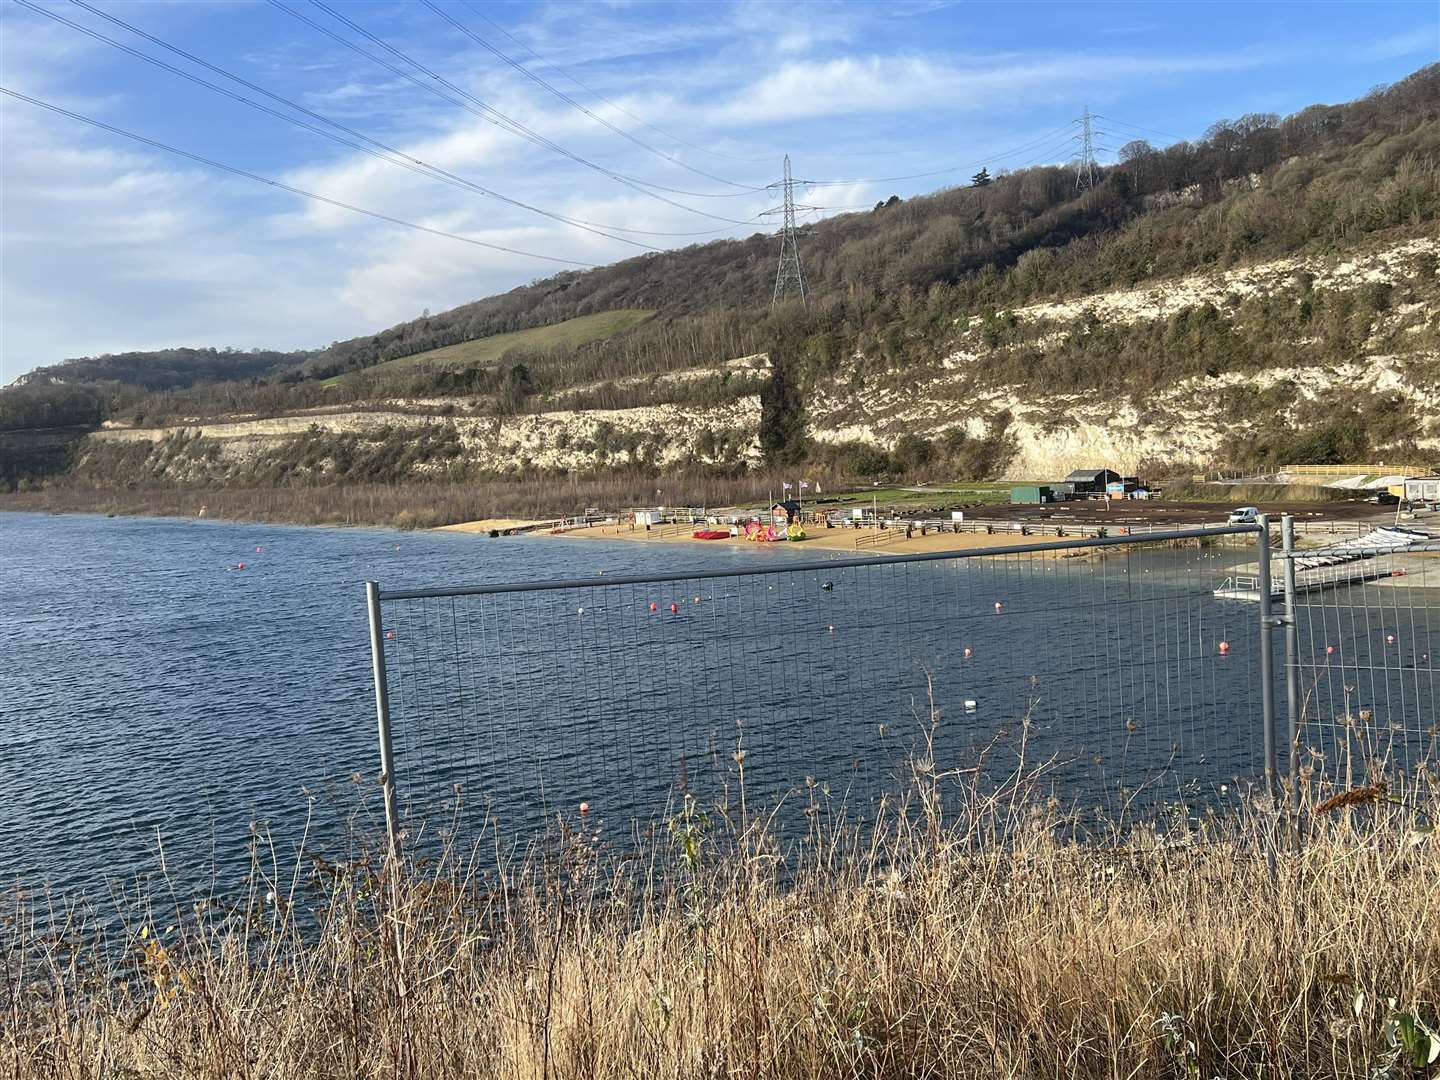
[{"x": 155, "y": 697}]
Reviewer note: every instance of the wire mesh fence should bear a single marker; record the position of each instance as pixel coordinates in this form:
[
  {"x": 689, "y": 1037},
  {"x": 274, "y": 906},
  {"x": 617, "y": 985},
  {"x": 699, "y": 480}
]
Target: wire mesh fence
[
  {"x": 1112, "y": 661},
  {"x": 1365, "y": 676}
]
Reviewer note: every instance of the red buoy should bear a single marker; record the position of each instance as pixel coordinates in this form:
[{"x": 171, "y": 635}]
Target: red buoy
[
  {"x": 1329, "y": 650},
  {"x": 390, "y": 634},
  {"x": 1224, "y": 647},
  {"x": 674, "y": 609},
  {"x": 654, "y": 606},
  {"x": 584, "y": 807},
  {"x": 240, "y": 567}
]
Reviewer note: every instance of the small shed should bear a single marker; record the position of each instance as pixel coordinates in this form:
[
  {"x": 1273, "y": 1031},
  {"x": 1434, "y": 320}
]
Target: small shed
[
  {"x": 649, "y": 517},
  {"x": 1030, "y": 494},
  {"x": 786, "y": 512},
  {"x": 1092, "y": 481}
]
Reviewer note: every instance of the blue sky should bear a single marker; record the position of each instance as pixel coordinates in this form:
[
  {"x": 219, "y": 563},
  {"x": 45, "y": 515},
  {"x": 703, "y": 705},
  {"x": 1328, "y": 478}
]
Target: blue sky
[{"x": 106, "y": 244}]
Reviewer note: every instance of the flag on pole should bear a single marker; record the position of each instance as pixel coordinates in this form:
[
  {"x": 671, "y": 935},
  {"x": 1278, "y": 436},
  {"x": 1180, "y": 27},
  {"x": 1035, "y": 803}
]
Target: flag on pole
[
  {"x": 785, "y": 485},
  {"x": 804, "y": 484}
]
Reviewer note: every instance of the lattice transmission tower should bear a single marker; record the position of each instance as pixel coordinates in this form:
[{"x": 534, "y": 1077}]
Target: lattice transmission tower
[
  {"x": 789, "y": 275},
  {"x": 1085, "y": 164}
]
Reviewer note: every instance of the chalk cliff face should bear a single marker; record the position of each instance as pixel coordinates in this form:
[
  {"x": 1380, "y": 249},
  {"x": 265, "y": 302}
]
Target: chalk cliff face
[{"x": 1394, "y": 359}]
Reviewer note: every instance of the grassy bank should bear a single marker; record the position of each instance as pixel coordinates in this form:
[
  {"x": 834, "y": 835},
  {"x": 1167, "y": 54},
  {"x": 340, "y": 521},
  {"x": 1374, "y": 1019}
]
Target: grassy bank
[{"x": 925, "y": 947}]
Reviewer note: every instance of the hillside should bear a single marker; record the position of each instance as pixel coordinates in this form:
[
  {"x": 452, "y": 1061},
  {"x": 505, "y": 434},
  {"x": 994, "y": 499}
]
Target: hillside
[
  {"x": 164, "y": 369},
  {"x": 581, "y": 330},
  {"x": 1268, "y": 292}
]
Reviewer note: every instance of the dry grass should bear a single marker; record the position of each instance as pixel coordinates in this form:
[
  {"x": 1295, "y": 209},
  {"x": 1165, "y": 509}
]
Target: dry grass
[{"x": 956, "y": 937}]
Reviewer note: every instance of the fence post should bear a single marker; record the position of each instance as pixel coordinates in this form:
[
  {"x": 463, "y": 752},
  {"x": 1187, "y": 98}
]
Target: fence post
[
  {"x": 382, "y": 714},
  {"x": 1292, "y": 657},
  {"x": 1267, "y": 658}
]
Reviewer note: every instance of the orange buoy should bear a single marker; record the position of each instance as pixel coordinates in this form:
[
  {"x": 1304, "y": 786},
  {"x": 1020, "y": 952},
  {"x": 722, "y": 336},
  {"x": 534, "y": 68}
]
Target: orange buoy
[
  {"x": 390, "y": 634},
  {"x": 584, "y": 807},
  {"x": 1224, "y": 647},
  {"x": 654, "y": 606},
  {"x": 968, "y": 653},
  {"x": 674, "y": 609},
  {"x": 1329, "y": 650}
]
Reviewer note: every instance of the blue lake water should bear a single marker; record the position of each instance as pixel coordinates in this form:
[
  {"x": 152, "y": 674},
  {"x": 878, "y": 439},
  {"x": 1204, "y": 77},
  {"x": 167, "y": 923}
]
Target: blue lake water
[
  {"x": 154, "y": 697},
  {"x": 150, "y": 692}
]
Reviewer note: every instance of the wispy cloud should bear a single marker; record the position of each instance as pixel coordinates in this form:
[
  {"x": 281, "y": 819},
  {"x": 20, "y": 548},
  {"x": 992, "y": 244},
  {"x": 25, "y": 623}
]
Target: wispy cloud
[{"x": 1421, "y": 41}]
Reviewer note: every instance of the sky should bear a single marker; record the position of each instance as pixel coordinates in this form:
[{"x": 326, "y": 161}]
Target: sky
[{"x": 658, "y": 124}]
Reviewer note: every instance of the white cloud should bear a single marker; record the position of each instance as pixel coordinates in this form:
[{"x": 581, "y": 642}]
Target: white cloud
[{"x": 895, "y": 84}]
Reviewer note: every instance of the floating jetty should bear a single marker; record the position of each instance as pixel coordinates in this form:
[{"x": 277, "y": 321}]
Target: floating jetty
[
  {"x": 1349, "y": 562},
  {"x": 1248, "y": 588}
]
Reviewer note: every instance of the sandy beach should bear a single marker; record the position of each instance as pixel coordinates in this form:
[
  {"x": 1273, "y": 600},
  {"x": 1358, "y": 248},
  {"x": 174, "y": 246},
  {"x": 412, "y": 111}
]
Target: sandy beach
[
  {"x": 487, "y": 525},
  {"x": 846, "y": 540}
]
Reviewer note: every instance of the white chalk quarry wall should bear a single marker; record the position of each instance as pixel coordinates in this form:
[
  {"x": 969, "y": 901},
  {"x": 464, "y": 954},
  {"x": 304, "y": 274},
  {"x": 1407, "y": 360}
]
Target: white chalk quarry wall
[
  {"x": 1055, "y": 432},
  {"x": 543, "y": 440}
]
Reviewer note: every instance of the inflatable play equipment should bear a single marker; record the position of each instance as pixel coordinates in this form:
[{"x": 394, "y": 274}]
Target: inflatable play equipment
[
  {"x": 794, "y": 532},
  {"x": 711, "y": 534}
]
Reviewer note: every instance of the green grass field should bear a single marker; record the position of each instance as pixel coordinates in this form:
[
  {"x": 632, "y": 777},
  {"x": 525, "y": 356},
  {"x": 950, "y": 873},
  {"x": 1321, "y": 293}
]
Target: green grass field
[{"x": 586, "y": 328}]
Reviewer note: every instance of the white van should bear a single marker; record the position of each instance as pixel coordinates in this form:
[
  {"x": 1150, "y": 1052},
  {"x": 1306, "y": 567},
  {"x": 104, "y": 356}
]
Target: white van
[{"x": 1246, "y": 515}]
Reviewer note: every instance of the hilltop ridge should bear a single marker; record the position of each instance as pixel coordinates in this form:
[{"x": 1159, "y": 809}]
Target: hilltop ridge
[{"x": 1267, "y": 290}]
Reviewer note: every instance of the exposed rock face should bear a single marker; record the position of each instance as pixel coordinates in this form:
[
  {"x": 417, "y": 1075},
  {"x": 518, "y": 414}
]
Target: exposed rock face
[{"x": 1053, "y": 432}]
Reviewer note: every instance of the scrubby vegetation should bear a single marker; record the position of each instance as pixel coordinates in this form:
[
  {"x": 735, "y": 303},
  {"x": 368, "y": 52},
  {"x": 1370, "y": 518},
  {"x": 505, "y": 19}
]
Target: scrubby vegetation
[{"x": 960, "y": 935}]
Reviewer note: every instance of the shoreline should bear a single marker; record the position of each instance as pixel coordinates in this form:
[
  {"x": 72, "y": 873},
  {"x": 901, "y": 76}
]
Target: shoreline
[{"x": 829, "y": 540}]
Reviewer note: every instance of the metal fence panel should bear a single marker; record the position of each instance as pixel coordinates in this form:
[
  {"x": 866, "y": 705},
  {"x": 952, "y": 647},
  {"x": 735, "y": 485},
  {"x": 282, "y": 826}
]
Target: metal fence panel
[
  {"x": 1112, "y": 660},
  {"x": 1364, "y": 662}
]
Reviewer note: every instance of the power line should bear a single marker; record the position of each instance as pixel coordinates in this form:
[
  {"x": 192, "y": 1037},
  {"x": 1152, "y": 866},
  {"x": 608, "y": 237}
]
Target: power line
[
  {"x": 405, "y": 160},
  {"x": 399, "y": 158},
  {"x": 998, "y": 155},
  {"x": 499, "y": 119},
  {"x": 1137, "y": 127},
  {"x": 400, "y": 73},
  {"x": 1085, "y": 166},
  {"x": 281, "y": 186},
  {"x": 789, "y": 276},
  {"x": 578, "y": 105},
  {"x": 618, "y": 108}
]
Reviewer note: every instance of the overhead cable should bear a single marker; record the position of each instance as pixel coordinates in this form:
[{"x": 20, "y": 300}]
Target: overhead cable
[
  {"x": 580, "y": 106},
  {"x": 498, "y": 118},
  {"x": 409, "y": 161},
  {"x": 281, "y": 186}
]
